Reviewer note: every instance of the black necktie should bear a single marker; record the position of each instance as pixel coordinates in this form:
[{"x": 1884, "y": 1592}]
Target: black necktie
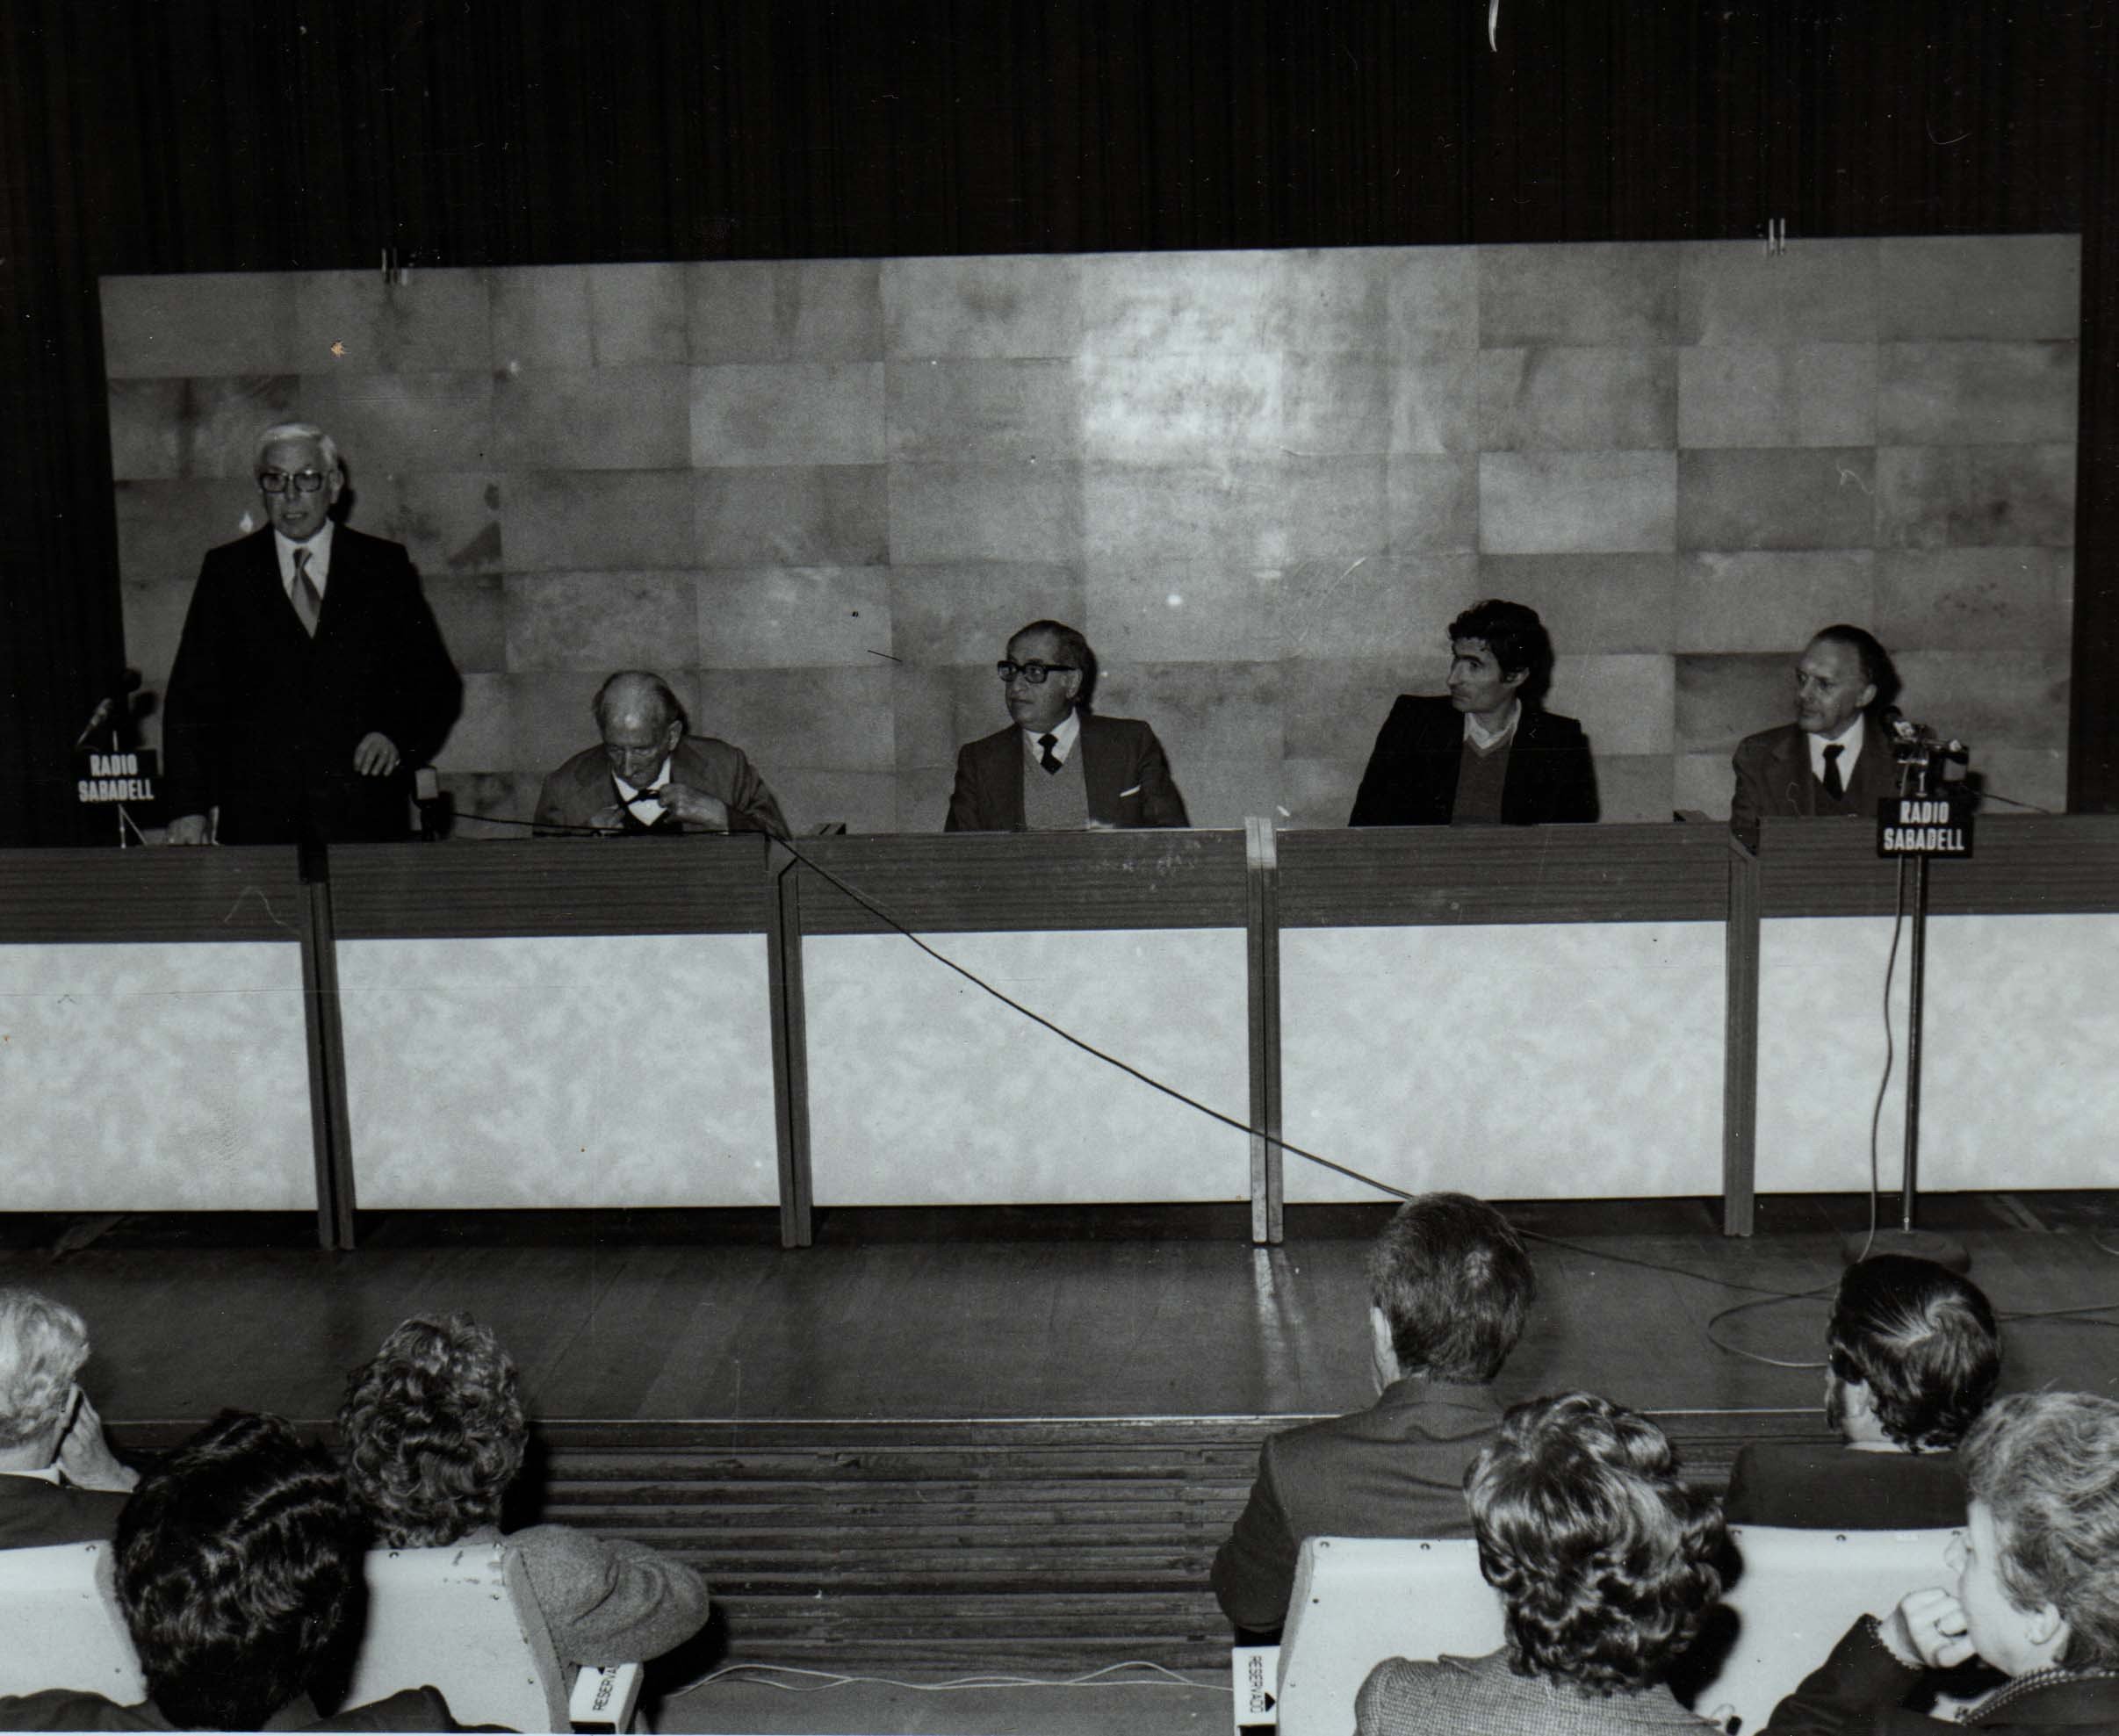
[
  {"x": 1048, "y": 760},
  {"x": 1835, "y": 786}
]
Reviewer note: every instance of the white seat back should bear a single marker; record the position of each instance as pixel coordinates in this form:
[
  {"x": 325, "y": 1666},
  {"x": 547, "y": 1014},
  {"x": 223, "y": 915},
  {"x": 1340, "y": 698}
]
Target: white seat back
[
  {"x": 58, "y": 1614},
  {"x": 1360, "y": 1600},
  {"x": 463, "y": 1619}
]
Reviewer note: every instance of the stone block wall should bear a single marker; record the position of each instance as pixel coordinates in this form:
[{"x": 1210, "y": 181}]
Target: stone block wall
[{"x": 819, "y": 495}]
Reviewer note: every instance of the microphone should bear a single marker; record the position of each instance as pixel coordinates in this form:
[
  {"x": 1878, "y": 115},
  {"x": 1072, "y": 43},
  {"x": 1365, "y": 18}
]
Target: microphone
[
  {"x": 105, "y": 707},
  {"x": 1894, "y": 720}
]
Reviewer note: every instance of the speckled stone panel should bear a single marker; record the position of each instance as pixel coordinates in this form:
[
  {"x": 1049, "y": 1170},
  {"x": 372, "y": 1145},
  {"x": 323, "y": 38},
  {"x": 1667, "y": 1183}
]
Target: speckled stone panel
[
  {"x": 1622, "y": 699},
  {"x": 791, "y": 515},
  {"x": 1432, "y": 503},
  {"x": 1721, "y": 699},
  {"x": 830, "y": 718},
  {"x": 619, "y": 418},
  {"x": 1635, "y": 787},
  {"x": 861, "y": 802},
  {"x": 470, "y": 613},
  {"x": 1023, "y": 510},
  {"x": 2001, "y": 699},
  {"x": 808, "y": 310},
  {"x": 1184, "y": 611},
  {"x": 766, "y": 617},
  {"x": 1586, "y": 503},
  {"x": 1432, "y": 299},
  {"x": 971, "y": 410},
  {"x": 484, "y": 737},
  {"x": 1160, "y": 305},
  {"x": 1577, "y": 400},
  {"x": 1974, "y": 600},
  {"x": 597, "y": 621},
  {"x": 1332, "y": 708},
  {"x": 1817, "y": 292},
  {"x": 211, "y": 324},
  {"x": 1594, "y": 292},
  {"x": 638, "y": 314},
  {"x": 1435, "y": 403},
  {"x": 401, "y": 422},
  {"x": 1180, "y": 408},
  {"x": 1959, "y": 496},
  {"x": 353, "y": 322},
  {"x": 1589, "y": 602},
  {"x": 1976, "y": 394},
  {"x": 1751, "y": 498},
  {"x": 1796, "y": 394},
  {"x": 168, "y": 1077},
  {"x": 149, "y": 430},
  {"x": 449, "y": 520},
  {"x": 164, "y": 529},
  {"x": 982, "y": 308},
  {"x": 1392, "y": 606},
  {"x": 1237, "y": 718},
  {"x": 1625, "y": 1056},
  {"x": 1772, "y": 599},
  {"x": 918, "y": 1089},
  {"x": 1252, "y": 511},
  {"x": 1981, "y": 287},
  {"x": 615, "y": 520},
  {"x": 540, "y": 318},
  {"x": 507, "y": 1054},
  {"x": 964, "y": 614},
  {"x": 788, "y": 412}
]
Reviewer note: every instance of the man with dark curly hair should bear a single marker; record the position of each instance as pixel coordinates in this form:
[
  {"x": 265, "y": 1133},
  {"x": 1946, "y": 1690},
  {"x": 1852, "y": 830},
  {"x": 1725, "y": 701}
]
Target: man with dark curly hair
[
  {"x": 434, "y": 1433},
  {"x": 2036, "y": 1595},
  {"x": 1913, "y": 1358},
  {"x": 238, "y": 1571},
  {"x": 1486, "y": 752},
  {"x": 1606, "y": 1564},
  {"x": 1449, "y": 1289}
]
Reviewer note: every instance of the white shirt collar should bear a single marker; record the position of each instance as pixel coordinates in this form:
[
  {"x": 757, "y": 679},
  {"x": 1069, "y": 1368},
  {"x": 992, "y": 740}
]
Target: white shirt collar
[
  {"x": 644, "y": 807},
  {"x": 1066, "y": 732},
  {"x": 1849, "y": 737},
  {"x": 319, "y": 557},
  {"x": 1479, "y": 738}
]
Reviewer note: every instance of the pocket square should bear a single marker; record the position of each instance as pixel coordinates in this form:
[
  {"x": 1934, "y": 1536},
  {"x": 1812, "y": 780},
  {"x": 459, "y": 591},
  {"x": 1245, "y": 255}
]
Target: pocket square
[{"x": 1123, "y": 794}]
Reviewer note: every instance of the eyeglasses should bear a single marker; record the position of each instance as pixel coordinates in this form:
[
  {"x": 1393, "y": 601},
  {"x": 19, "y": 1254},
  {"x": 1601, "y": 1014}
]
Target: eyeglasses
[
  {"x": 301, "y": 482},
  {"x": 1032, "y": 672}
]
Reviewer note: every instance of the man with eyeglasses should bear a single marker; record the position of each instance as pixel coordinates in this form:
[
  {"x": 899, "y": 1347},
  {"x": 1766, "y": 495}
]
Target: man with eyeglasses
[
  {"x": 1058, "y": 767},
  {"x": 311, "y": 677}
]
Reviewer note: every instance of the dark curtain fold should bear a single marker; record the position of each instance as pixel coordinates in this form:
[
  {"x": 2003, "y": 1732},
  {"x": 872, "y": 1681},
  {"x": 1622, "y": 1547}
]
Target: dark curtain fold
[{"x": 205, "y": 135}]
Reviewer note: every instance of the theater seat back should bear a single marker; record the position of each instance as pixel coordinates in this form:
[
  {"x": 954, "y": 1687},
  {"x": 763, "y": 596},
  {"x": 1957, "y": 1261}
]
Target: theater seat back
[
  {"x": 463, "y": 1619},
  {"x": 60, "y": 1624},
  {"x": 1359, "y": 1600}
]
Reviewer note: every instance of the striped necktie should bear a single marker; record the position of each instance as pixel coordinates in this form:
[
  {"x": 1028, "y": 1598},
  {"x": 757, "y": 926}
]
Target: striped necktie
[{"x": 308, "y": 601}]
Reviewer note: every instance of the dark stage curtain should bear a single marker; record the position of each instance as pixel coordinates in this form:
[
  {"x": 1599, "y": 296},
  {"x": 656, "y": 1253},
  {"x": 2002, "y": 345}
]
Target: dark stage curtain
[{"x": 197, "y": 135}]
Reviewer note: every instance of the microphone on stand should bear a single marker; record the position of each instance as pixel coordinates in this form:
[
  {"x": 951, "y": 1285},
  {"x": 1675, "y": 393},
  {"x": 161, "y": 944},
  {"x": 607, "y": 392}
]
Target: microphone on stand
[{"x": 105, "y": 708}]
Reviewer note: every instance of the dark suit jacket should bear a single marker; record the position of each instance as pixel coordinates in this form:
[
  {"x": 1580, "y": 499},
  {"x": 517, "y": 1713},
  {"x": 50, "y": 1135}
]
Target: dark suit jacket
[
  {"x": 1411, "y": 778},
  {"x": 1123, "y": 767},
  {"x": 582, "y": 788},
  {"x": 263, "y": 719},
  {"x": 1773, "y": 776},
  {"x": 34, "y": 1513},
  {"x": 76, "y": 1709},
  {"x": 1394, "y": 1470},
  {"x": 1835, "y": 1489}
]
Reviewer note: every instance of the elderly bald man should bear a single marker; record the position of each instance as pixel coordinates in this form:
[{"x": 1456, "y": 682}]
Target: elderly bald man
[
  {"x": 60, "y": 1482},
  {"x": 651, "y": 774}
]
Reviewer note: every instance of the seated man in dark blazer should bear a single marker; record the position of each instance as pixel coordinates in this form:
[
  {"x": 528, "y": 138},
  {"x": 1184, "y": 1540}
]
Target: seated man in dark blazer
[
  {"x": 1487, "y": 753},
  {"x": 240, "y": 1564},
  {"x": 650, "y": 774},
  {"x": 59, "y": 1480},
  {"x": 1449, "y": 1289},
  {"x": 1058, "y": 767},
  {"x": 1836, "y": 761},
  {"x": 1913, "y": 1358},
  {"x": 311, "y": 679}
]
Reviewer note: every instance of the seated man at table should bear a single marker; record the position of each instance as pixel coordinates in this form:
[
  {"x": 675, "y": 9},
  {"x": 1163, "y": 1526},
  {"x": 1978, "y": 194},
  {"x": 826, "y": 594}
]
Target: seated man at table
[
  {"x": 1449, "y": 1289},
  {"x": 1836, "y": 761},
  {"x": 1058, "y": 767},
  {"x": 239, "y": 1570},
  {"x": 1913, "y": 1358},
  {"x": 649, "y": 775},
  {"x": 59, "y": 1480}
]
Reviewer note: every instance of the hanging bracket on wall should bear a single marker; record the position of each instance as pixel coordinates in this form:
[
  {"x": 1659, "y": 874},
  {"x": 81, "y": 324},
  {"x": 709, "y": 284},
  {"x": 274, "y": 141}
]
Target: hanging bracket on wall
[
  {"x": 396, "y": 274},
  {"x": 1776, "y": 237}
]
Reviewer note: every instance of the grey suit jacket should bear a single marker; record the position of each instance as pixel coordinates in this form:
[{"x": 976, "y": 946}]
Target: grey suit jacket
[
  {"x": 1773, "y": 776},
  {"x": 1483, "y": 1697}
]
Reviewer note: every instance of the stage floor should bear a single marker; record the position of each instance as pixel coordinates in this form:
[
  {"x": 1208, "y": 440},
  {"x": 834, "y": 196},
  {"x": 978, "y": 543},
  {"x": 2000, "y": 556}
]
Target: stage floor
[{"x": 1006, "y": 1312}]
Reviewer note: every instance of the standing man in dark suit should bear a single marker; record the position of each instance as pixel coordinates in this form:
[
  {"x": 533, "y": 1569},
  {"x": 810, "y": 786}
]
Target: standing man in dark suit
[
  {"x": 311, "y": 678},
  {"x": 1058, "y": 767},
  {"x": 60, "y": 1482},
  {"x": 1488, "y": 753},
  {"x": 1449, "y": 1289},
  {"x": 1835, "y": 760}
]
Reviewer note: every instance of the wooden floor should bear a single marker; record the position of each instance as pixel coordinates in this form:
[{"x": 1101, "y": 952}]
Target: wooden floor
[
  {"x": 904, "y": 1315},
  {"x": 997, "y": 1440}
]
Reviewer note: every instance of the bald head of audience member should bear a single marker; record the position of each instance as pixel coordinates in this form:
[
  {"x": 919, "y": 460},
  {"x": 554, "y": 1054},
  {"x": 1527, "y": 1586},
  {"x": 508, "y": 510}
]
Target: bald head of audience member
[
  {"x": 45, "y": 1420},
  {"x": 1450, "y": 1290},
  {"x": 1914, "y": 1355}
]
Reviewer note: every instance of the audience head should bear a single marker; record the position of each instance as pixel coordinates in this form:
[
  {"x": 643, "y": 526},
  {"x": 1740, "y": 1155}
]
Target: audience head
[
  {"x": 1605, "y": 1562},
  {"x": 2038, "y": 1566},
  {"x": 1450, "y": 1287},
  {"x": 239, "y": 1571},
  {"x": 641, "y": 721},
  {"x": 1046, "y": 671},
  {"x": 433, "y": 1432},
  {"x": 1842, "y": 672},
  {"x": 42, "y": 1346},
  {"x": 1914, "y": 1354},
  {"x": 300, "y": 476},
  {"x": 1498, "y": 649}
]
